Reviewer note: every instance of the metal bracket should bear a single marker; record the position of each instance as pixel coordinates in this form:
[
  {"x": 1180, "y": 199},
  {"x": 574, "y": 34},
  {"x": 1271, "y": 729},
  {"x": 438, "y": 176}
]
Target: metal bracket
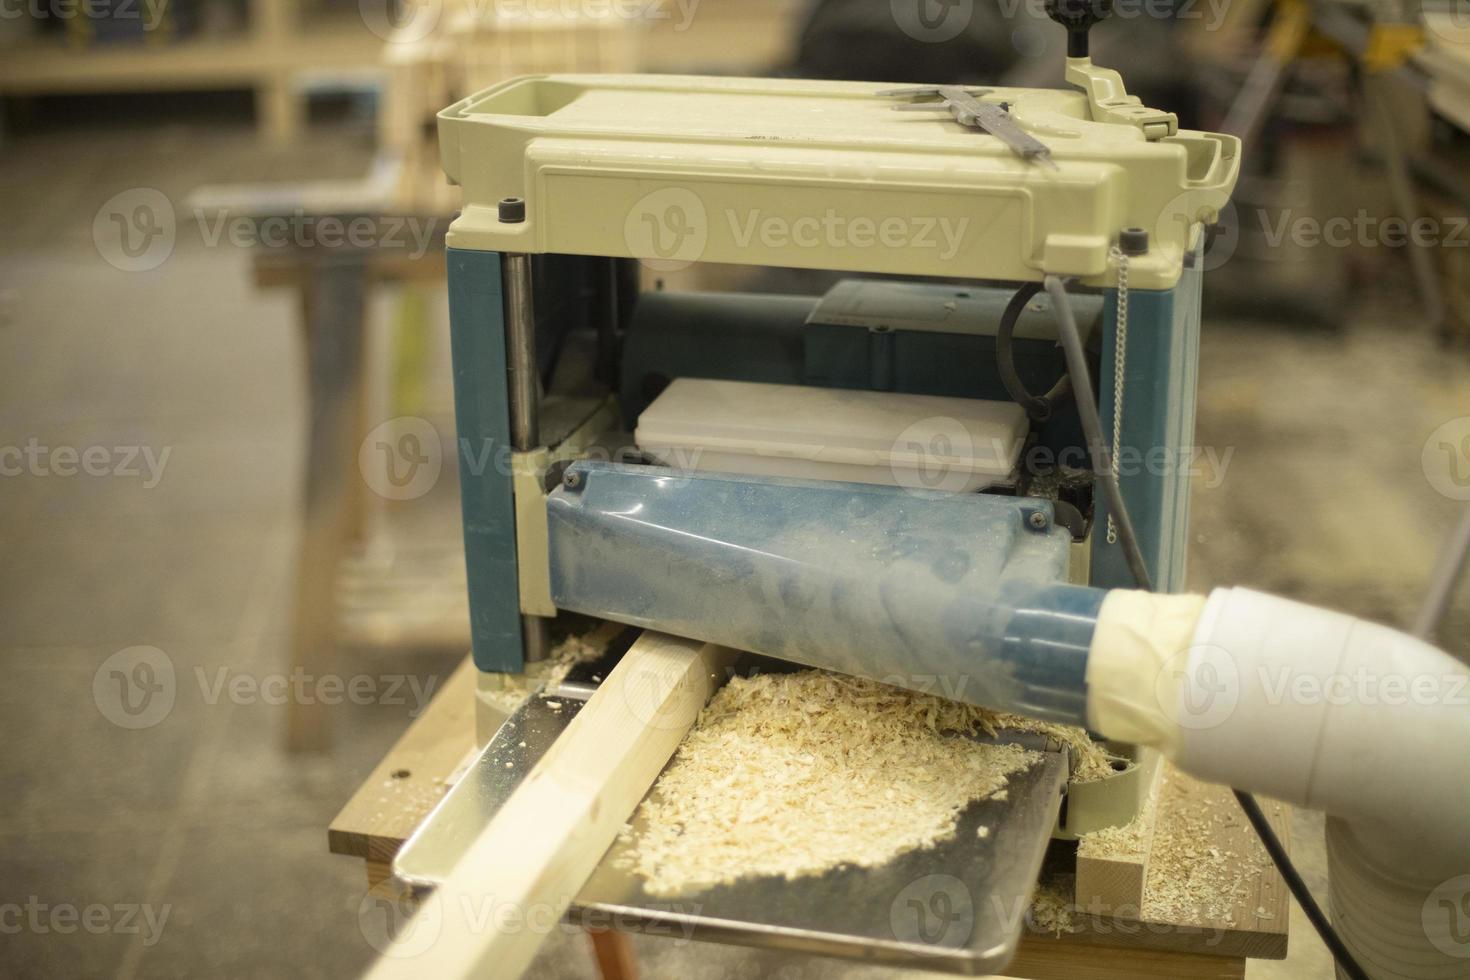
[{"x": 1111, "y": 103}]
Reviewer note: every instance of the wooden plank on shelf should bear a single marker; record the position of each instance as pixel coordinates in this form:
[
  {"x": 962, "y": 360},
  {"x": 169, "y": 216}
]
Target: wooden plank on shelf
[
  {"x": 545, "y": 841},
  {"x": 37, "y": 67},
  {"x": 413, "y": 777},
  {"x": 244, "y": 60}
]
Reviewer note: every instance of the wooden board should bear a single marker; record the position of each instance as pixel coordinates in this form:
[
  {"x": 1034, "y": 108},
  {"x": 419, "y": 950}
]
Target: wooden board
[
  {"x": 543, "y": 844},
  {"x": 1114, "y": 881}
]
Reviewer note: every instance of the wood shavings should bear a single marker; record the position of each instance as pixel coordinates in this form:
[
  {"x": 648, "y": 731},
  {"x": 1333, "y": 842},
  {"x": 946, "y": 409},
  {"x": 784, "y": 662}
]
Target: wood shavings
[
  {"x": 1190, "y": 878},
  {"x": 507, "y": 698},
  {"x": 797, "y": 774},
  {"x": 1052, "y": 908},
  {"x": 1089, "y": 761},
  {"x": 1126, "y": 842},
  {"x": 570, "y": 652},
  {"x": 563, "y": 657}
]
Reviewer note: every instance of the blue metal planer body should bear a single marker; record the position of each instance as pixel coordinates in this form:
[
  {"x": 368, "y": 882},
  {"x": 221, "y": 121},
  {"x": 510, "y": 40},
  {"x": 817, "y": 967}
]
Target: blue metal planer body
[{"x": 589, "y": 198}]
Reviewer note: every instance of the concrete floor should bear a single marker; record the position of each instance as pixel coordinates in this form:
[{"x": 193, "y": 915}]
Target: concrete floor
[{"x": 204, "y": 816}]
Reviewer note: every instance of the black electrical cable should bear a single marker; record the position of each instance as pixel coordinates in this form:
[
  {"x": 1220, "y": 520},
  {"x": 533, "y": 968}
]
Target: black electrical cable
[
  {"x": 1092, "y": 426},
  {"x": 1298, "y": 887},
  {"x": 1038, "y": 408},
  {"x": 1102, "y": 457}
]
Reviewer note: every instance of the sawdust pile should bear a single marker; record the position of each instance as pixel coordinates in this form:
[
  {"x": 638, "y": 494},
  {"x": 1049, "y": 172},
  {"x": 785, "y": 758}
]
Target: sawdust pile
[
  {"x": 797, "y": 774},
  {"x": 1052, "y": 910}
]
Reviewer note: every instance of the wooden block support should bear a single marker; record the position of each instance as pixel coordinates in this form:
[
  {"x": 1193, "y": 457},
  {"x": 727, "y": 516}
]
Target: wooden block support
[
  {"x": 512, "y": 887},
  {"x": 1197, "y": 823},
  {"x": 1114, "y": 881},
  {"x": 1040, "y": 960}
]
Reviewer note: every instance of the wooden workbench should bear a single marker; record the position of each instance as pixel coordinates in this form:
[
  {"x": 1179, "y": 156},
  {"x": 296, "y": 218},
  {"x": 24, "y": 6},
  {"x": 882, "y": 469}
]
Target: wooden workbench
[{"x": 430, "y": 756}]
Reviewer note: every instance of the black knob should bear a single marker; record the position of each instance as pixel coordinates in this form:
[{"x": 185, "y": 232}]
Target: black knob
[
  {"x": 513, "y": 209},
  {"x": 1133, "y": 241},
  {"x": 1078, "y": 16}
]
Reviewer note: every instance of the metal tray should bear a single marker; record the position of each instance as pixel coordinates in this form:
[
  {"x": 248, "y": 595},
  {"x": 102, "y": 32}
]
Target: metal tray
[{"x": 959, "y": 906}]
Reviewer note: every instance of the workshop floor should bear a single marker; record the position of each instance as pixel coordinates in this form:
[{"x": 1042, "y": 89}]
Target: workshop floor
[{"x": 203, "y": 817}]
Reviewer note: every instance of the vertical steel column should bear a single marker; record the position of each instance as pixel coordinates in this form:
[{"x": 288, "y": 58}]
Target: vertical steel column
[
  {"x": 520, "y": 353},
  {"x": 524, "y": 386}
]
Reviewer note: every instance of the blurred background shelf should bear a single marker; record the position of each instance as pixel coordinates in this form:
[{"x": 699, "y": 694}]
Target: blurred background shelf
[
  {"x": 267, "y": 50},
  {"x": 282, "y": 49}
]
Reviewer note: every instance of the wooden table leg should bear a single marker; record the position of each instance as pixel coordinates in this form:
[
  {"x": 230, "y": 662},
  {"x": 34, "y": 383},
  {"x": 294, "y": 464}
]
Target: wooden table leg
[
  {"x": 614, "y": 952},
  {"x": 333, "y": 295}
]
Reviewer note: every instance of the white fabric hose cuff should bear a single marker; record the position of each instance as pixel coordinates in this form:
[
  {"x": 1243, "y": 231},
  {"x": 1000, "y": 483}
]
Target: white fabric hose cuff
[{"x": 1135, "y": 665}]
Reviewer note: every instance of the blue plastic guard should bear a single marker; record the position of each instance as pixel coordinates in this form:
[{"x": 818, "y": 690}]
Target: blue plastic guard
[{"x": 960, "y": 595}]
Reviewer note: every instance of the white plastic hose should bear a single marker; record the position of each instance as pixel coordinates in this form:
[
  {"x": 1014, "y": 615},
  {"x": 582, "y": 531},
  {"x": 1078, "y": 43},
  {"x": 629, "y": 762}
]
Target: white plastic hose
[{"x": 1322, "y": 710}]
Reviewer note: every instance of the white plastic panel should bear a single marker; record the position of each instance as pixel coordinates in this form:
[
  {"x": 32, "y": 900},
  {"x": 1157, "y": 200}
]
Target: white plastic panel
[{"x": 881, "y": 437}]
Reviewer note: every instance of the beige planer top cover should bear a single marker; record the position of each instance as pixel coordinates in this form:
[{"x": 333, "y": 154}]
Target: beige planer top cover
[{"x": 825, "y": 175}]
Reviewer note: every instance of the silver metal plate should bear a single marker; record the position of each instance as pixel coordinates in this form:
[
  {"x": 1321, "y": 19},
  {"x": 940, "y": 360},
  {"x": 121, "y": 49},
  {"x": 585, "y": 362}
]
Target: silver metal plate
[
  {"x": 958, "y": 907},
  {"x": 943, "y": 308}
]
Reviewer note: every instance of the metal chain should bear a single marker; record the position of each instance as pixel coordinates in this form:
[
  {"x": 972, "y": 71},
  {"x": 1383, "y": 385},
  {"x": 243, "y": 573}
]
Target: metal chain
[{"x": 1120, "y": 363}]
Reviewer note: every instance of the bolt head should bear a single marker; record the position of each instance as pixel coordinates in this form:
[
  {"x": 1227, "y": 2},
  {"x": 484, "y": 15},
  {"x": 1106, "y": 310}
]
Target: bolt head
[
  {"x": 1037, "y": 520},
  {"x": 512, "y": 210},
  {"x": 1133, "y": 241}
]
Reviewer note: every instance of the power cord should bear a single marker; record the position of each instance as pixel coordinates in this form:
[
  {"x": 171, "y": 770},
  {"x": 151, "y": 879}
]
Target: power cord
[
  {"x": 1038, "y": 408},
  {"x": 1101, "y": 464},
  {"x": 1097, "y": 444},
  {"x": 1298, "y": 887}
]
